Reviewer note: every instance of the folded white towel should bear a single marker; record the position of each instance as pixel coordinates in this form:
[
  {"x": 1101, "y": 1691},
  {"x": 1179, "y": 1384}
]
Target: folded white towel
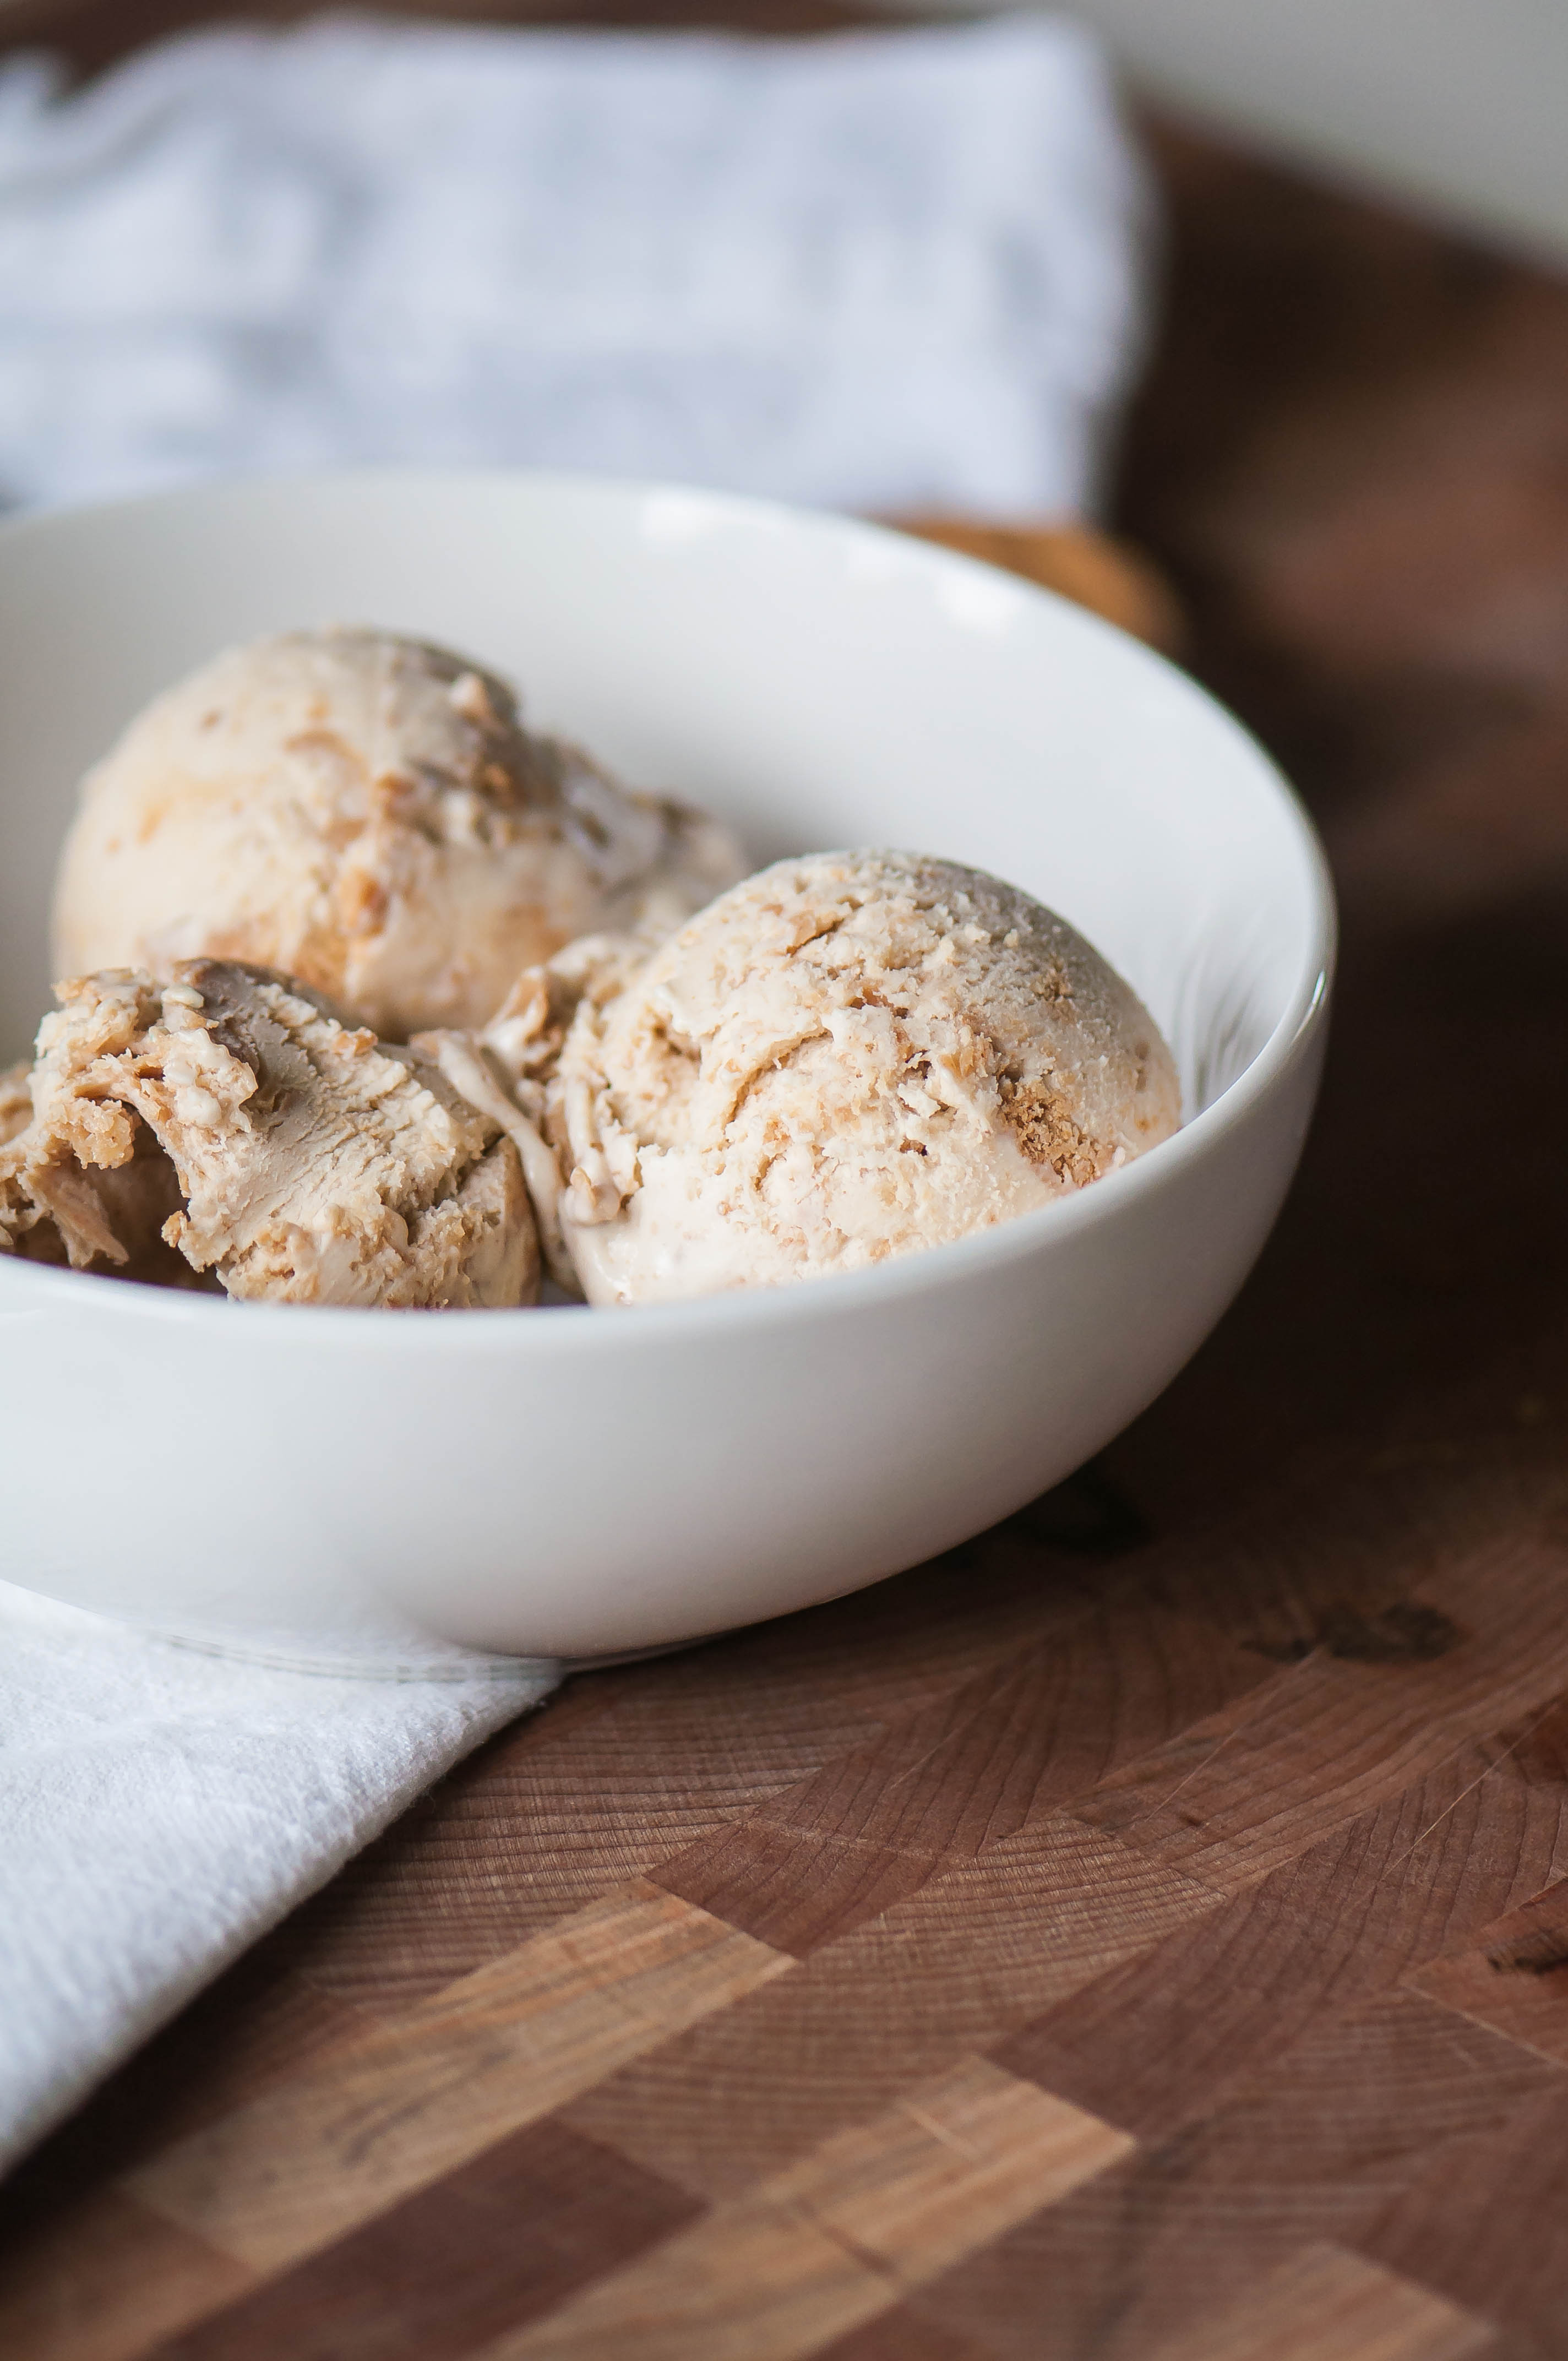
[
  {"x": 880, "y": 271},
  {"x": 161, "y": 1808},
  {"x": 892, "y": 271}
]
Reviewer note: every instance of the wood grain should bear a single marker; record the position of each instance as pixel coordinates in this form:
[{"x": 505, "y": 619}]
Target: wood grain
[
  {"x": 835, "y": 2239},
  {"x": 1113, "y": 1681},
  {"x": 1324, "y": 2303},
  {"x": 1253, "y": 1786},
  {"x": 1313, "y": 2148},
  {"x": 1158, "y": 2040},
  {"x": 1514, "y": 1976},
  {"x": 551, "y": 1815},
  {"x": 494, "y": 2051},
  {"x": 1479, "y": 2224},
  {"x": 446, "y": 2271},
  {"x": 107, "y": 2277},
  {"x": 992, "y": 1943},
  {"x": 1142, "y": 1934}
]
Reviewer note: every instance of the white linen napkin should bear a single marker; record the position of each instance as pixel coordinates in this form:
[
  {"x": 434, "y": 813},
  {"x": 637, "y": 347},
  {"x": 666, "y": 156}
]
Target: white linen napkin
[
  {"x": 886, "y": 271},
  {"x": 161, "y": 1808}
]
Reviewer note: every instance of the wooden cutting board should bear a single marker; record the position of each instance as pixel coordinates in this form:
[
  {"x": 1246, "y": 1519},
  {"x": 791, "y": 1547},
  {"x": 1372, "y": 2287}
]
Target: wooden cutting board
[{"x": 1142, "y": 1934}]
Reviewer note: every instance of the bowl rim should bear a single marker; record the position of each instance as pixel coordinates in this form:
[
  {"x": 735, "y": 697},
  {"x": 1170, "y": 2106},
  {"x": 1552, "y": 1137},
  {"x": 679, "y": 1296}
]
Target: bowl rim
[{"x": 833, "y": 1294}]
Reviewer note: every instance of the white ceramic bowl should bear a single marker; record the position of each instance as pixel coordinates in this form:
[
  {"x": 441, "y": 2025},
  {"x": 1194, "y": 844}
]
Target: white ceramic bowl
[{"x": 354, "y": 1487}]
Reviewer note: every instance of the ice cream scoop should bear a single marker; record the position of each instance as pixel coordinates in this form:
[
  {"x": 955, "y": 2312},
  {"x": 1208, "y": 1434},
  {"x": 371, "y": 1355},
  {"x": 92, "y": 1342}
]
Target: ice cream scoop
[
  {"x": 229, "y": 1123},
  {"x": 367, "y": 814},
  {"x": 844, "y": 1058}
]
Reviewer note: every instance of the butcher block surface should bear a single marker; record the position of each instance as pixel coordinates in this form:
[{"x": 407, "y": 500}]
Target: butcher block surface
[{"x": 1141, "y": 1934}]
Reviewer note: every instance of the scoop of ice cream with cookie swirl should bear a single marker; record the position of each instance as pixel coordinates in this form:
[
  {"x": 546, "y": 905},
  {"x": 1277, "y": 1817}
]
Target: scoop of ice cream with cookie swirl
[
  {"x": 842, "y": 1059},
  {"x": 367, "y": 814},
  {"x": 225, "y": 1126}
]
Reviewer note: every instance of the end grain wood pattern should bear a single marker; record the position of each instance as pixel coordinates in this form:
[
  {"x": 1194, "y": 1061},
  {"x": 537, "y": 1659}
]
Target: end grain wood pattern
[{"x": 1143, "y": 1935}]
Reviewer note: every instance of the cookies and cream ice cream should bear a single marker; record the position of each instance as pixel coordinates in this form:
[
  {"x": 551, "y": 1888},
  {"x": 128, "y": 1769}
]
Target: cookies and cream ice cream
[
  {"x": 844, "y": 1058},
  {"x": 367, "y": 814},
  {"x": 228, "y": 1123}
]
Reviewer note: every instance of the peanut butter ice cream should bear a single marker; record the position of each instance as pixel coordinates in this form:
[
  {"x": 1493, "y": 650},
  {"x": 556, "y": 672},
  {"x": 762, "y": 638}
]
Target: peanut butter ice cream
[
  {"x": 367, "y": 814},
  {"x": 228, "y": 1123},
  {"x": 845, "y": 1058}
]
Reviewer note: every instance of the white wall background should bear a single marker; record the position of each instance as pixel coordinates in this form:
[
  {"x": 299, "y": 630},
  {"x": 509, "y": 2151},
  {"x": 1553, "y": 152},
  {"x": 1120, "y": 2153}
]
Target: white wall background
[{"x": 1460, "y": 106}]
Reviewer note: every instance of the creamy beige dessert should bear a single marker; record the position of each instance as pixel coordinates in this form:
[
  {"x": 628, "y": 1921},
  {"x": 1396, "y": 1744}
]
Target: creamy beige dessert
[
  {"x": 367, "y": 814},
  {"x": 228, "y": 1123},
  {"x": 844, "y": 1058}
]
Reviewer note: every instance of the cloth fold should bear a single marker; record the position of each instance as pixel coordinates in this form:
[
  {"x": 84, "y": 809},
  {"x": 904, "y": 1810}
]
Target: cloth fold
[
  {"x": 886, "y": 272},
  {"x": 161, "y": 1808}
]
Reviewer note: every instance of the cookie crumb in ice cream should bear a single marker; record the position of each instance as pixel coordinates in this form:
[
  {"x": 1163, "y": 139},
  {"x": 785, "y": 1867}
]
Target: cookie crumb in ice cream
[{"x": 1039, "y": 1118}]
